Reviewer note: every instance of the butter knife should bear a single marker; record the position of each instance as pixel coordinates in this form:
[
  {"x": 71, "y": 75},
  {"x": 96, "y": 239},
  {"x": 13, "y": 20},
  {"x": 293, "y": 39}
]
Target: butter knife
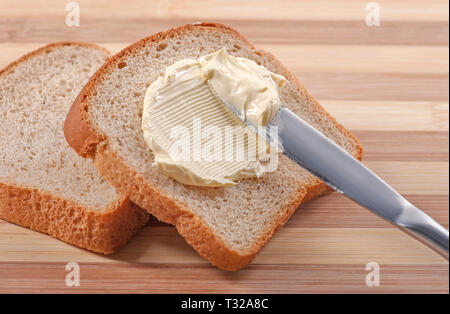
[{"x": 323, "y": 158}]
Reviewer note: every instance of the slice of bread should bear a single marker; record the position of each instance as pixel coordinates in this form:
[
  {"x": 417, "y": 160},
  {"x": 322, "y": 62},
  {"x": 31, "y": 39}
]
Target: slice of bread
[
  {"x": 44, "y": 184},
  {"x": 226, "y": 225}
]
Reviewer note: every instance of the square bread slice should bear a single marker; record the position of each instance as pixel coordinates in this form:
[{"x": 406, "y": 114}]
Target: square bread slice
[
  {"x": 226, "y": 225},
  {"x": 44, "y": 184}
]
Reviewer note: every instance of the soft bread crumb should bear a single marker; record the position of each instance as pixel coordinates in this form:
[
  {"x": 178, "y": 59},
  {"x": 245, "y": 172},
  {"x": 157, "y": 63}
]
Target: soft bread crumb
[
  {"x": 35, "y": 98},
  {"x": 44, "y": 184}
]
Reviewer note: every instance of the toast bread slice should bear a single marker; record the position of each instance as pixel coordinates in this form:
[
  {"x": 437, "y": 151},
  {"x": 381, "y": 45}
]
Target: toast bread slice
[
  {"x": 226, "y": 225},
  {"x": 44, "y": 184}
]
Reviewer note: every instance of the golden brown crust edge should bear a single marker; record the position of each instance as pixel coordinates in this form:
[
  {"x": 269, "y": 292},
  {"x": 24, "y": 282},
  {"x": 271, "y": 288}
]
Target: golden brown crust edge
[
  {"x": 103, "y": 232},
  {"x": 48, "y": 48},
  {"x": 77, "y": 131},
  {"x": 192, "y": 228},
  {"x": 195, "y": 231}
]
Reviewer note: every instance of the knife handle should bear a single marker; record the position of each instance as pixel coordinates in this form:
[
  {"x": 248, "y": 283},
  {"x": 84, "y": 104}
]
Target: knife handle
[
  {"x": 426, "y": 230},
  {"x": 329, "y": 162}
]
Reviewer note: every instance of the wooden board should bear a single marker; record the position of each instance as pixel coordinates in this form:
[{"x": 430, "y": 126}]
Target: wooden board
[{"x": 387, "y": 84}]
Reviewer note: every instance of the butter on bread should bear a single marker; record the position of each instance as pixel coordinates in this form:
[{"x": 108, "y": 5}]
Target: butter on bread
[
  {"x": 194, "y": 136},
  {"x": 226, "y": 225}
]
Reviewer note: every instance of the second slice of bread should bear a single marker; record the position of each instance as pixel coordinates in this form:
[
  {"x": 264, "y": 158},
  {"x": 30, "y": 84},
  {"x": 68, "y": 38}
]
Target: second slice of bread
[
  {"x": 227, "y": 225},
  {"x": 44, "y": 184}
]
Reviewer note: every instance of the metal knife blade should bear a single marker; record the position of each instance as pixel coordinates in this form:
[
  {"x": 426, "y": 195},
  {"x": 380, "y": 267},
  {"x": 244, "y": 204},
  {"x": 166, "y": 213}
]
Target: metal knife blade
[{"x": 329, "y": 162}]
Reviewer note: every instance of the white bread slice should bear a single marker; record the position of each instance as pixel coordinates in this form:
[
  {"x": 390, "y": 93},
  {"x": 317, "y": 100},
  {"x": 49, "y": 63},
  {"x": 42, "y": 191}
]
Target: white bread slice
[
  {"x": 226, "y": 225},
  {"x": 44, "y": 184}
]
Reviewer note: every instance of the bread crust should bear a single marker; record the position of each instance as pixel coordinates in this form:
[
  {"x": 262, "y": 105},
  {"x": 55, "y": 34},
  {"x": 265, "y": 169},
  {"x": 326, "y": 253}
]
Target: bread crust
[
  {"x": 192, "y": 228},
  {"x": 80, "y": 136},
  {"x": 64, "y": 219},
  {"x": 103, "y": 232},
  {"x": 46, "y": 49}
]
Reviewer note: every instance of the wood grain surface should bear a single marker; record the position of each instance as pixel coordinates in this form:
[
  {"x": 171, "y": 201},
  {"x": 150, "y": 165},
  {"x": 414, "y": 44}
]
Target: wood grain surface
[{"x": 388, "y": 84}]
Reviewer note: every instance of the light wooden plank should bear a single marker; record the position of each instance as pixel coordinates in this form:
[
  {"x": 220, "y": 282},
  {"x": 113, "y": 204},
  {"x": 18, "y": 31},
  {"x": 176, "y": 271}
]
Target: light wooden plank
[
  {"x": 377, "y": 86},
  {"x": 414, "y": 177},
  {"x": 337, "y": 211},
  {"x": 135, "y": 278},
  {"x": 336, "y": 32},
  {"x": 289, "y": 246},
  {"x": 413, "y": 10},
  {"x": 362, "y": 59},
  {"x": 404, "y": 145},
  {"x": 362, "y": 245},
  {"x": 390, "y": 115}
]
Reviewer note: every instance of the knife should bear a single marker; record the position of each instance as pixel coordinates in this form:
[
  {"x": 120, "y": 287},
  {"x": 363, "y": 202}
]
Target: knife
[{"x": 323, "y": 158}]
